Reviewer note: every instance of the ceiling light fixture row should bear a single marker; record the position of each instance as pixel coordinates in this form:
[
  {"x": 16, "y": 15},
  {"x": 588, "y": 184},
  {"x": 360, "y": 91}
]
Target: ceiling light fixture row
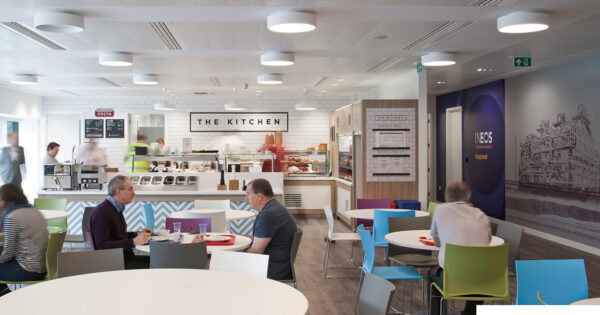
[
  {"x": 145, "y": 79},
  {"x": 58, "y": 22},
  {"x": 115, "y": 59},
  {"x": 165, "y": 106},
  {"x": 518, "y": 22},
  {"x": 277, "y": 59},
  {"x": 291, "y": 22},
  {"x": 269, "y": 78},
  {"x": 24, "y": 79}
]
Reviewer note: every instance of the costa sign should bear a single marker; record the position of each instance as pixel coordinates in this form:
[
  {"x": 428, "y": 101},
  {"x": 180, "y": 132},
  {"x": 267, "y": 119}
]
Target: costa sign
[{"x": 105, "y": 112}]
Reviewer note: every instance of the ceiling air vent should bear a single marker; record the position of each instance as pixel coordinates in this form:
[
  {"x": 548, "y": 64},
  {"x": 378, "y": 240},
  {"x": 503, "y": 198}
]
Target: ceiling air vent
[
  {"x": 384, "y": 64},
  {"x": 293, "y": 200},
  {"x": 492, "y": 3},
  {"x": 167, "y": 34},
  {"x": 204, "y": 93},
  {"x": 439, "y": 33},
  {"x": 31, "y": 35},
  {"x": 69, "y": 93},
  {"x": 215, "y": 81},
  {"x": 107, "y": 81},
  {"x": 319, "y": 81}
]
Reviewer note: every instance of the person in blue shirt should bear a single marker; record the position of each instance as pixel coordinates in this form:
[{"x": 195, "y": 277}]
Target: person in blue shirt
[
  {"x": 108, "y": 226},
  {"x": 274, "y": 229}
]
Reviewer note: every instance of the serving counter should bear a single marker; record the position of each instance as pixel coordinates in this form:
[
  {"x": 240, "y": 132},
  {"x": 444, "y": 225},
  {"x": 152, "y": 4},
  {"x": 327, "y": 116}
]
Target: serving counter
[{"x": 166, "y": 199}]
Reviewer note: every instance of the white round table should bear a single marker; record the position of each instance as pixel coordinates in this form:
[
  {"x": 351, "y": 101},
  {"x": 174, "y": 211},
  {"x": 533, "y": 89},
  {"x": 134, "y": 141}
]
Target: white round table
[
  {"x": 240, "y": 243},
  {"x": 591, "y": 301},
  {"x": 157, "y": 291},
  {"x": 54, "y": 214},
  {"x": 369, "y": 213},
  {"x": 230, "y": 214},
  {"x": 410, "y": 239}
]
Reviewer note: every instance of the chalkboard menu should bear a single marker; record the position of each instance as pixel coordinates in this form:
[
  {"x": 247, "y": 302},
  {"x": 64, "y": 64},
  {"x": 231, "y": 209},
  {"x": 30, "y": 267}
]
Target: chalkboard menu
[
  {"x": 115, "y": 128},
  {"x": 94, "y": 128}
]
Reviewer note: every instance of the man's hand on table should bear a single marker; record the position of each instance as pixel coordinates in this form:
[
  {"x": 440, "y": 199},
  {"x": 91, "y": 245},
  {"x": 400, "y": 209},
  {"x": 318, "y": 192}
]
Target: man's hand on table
[{"x": 142, "y": 238}]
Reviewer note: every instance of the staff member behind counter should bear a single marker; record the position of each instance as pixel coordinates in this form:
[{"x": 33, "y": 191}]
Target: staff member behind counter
[
  {"x": 90, "y": 153},
  {"x": 51, "y": 153},
  {"x": 135, "y": 149}
]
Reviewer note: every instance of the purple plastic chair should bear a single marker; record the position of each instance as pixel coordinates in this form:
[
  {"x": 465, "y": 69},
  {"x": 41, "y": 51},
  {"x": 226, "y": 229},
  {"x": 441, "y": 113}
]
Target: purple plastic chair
[
  {"x": 188, "y": 224},
  {"x": 370, "y": 204}
]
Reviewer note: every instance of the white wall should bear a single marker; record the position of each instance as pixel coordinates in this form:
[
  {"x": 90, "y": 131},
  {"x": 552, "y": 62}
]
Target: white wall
[
  {"x": 404, "y": 86},
  {"x": 306, "y": 128},
  {"x": 19, "y": 104}
]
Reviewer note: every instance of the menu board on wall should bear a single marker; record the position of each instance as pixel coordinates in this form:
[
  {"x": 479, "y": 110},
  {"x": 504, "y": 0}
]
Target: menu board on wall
[
  {"x": 94, "y": 128},
  {"x": 115, "y": 128},
  {"x": 391, "y": 140}
]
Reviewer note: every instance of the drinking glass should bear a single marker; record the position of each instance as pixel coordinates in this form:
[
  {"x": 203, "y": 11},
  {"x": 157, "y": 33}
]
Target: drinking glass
[
  {"x": 177, "y": 227},
  {"x": 202, "y": 229}
]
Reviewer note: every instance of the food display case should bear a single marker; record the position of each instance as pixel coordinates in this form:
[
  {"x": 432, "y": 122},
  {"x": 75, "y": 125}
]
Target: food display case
[
  {"x": 252, "y": 162},
  {"x": 189, "y": 162},
  {"x": 345, "y": 164},
  {"x": 306, "y": 163}
]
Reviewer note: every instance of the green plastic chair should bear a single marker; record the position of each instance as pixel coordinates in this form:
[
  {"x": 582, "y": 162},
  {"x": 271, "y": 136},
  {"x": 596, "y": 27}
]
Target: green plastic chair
[
  {"x": 53, "y": 204},
  {"x": 431, "y": 208},
  {"x": 55, "y": 244},
  {"x": 475, "y": 273}
]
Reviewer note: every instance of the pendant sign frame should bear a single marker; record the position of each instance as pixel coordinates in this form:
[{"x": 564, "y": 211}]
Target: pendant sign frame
[{"x": 238, "y": 122}]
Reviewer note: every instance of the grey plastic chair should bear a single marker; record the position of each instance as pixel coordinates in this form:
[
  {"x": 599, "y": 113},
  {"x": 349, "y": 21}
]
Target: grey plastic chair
[
  {"x": 335, "y": 237},
  {"x": 175, "y": 255},
  {"x": 78, "y": 263},
  {"x": 85, "y": 223},
  {"x": 511, "y": 234},
  {"x": 409, "y": 256},
  {"x": 375, "y": 295},
  {"x": 293, "y": 254}
]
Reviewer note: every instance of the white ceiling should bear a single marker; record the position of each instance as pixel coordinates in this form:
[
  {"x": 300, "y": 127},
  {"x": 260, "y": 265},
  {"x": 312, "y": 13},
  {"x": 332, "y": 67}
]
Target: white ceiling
[{"x": 224, "y": 39}]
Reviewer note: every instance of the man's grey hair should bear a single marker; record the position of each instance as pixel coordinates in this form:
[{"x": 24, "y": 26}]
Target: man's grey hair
[
  {"x": 458, "y": 191},
  {"x": 118, "y": 182}
]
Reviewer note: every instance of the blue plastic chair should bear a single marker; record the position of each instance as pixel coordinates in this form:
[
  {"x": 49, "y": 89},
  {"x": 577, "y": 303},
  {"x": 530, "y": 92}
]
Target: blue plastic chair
[
  {"x": 388, "y": 273},
  {"x": 380, "y": 228},
  {"x": 149, "y": 215},
  {"x": 560, "y": 282}
]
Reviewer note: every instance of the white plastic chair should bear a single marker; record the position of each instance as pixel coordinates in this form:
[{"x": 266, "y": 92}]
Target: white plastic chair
[
  {"x": 218, "y": 221},
  {"x": 336, "y": 237},
  {"x": 251, "y": 264},
  {"x": 212, "y": 204}
]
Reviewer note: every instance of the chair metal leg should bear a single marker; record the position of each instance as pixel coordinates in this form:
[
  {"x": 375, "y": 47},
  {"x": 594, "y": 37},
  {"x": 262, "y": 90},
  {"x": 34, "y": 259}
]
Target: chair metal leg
[
  {"x": 327, "y": 256},
  {"x": 358, "y": 293},
  {"x": 386, "y": 260}
]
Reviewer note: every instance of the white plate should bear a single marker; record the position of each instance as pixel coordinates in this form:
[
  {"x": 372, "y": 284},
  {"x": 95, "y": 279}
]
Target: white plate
[
  {"x": 216, "y": 238},
  {"x": 159, "y": 238}
]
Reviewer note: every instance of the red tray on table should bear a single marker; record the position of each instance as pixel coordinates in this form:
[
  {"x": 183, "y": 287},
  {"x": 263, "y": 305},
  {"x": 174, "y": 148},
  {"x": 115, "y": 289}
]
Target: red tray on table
[
  {"x": 231, "y": 241},
  {"x": 425, "y": 241}
]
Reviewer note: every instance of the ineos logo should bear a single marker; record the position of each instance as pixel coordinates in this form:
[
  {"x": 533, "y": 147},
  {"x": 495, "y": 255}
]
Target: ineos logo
[{"x": 483, "y": 137}]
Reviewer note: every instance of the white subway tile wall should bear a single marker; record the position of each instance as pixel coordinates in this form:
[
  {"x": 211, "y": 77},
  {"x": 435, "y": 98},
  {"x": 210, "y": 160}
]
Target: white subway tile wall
[{"x": 306, "y": 128}]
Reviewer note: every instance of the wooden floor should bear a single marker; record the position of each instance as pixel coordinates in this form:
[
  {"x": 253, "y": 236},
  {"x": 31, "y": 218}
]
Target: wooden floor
[{"x": 337, "y": 296}]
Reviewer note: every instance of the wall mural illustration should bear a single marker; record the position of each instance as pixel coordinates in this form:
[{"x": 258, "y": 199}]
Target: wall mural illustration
[{"x": 553, "y": 162}]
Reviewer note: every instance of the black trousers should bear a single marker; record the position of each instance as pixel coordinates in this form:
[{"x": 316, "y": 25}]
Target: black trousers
[
  {"x": 437, "y": 275},
  {"x": 136, "y": 262}
]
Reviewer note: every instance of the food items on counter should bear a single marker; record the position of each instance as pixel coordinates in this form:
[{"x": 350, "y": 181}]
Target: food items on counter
[
  {"x": 293, "y": 169},
  {"x": 310, "y": 149}
]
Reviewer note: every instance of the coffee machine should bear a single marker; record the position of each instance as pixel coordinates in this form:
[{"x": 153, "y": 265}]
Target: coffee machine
[{"x": 61, "y": 176}]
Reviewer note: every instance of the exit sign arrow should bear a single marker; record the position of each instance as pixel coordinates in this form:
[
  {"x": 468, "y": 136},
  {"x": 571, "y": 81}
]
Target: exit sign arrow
[{"x": 522, "y": 61}]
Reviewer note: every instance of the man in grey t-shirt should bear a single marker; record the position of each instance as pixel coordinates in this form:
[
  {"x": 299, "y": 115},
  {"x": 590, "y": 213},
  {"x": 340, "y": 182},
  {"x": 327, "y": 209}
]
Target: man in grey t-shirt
[
  {"x": 274, "y": 229},
  {"x": 457, "y": 222}
]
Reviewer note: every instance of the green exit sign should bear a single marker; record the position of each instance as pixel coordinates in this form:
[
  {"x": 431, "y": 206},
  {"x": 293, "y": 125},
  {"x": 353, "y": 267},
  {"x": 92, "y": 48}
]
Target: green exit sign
[
  {"x": 522, "y": 61},
  {"x": 419, "y": 67}
]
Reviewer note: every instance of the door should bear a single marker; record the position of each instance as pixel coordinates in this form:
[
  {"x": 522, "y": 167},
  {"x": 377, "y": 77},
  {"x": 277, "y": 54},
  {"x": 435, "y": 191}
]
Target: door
[
  {"x": 63, "y": 129},
  {"x": 453, "y": 145}
]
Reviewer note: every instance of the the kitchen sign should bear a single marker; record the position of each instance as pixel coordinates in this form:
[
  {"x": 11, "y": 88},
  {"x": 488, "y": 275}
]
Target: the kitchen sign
[{"x": 238, "y": 122}]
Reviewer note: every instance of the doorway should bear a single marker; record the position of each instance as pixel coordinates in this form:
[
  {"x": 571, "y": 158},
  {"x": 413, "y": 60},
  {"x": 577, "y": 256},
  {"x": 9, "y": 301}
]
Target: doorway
[{"x": 453, "y": 145}]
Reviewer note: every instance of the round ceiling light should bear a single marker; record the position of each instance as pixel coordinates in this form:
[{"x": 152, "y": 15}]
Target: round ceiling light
[
  {"x": 523, "y": 22},
  {"x": 291, "y": 22},
  {"x": 145, "y": 79},
  {"x": 437, "y": 59},
  {"x": 234, "y": 107},
  {"x": 165, "y": 106},
  {"x": 115, "y": 59},
  {"x": 58, "y": 22},
  {"x": 275, "y": 58},
  {"x": 306, "y": 106},
  {"x": 24, "y": 79},
  {"x": 269, "y": 78}
]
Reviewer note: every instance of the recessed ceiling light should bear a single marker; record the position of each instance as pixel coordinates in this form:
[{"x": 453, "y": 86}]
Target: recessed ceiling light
[
  {"x": 58, "y": 22},
  {"x": 306, "y": 106},
  {"x": 24, "y": 79},
  {"x": 523, "y": 22},
  {"x": 258, "y": 91},
  {"x": 269, "y": 78},
  {"x": 438, "y": 59},
  {"x": 291, "y": 22},
  {"x": 145, "y": 79},
  {"x": 377, "y": 37},
  {"x": 165, "y": 106},
  {"x": 323, "y": 91},
  {"x": 341, "y": 80},
  {"x": 234, "y": 107},
  {"x": 115, "y": 59},
  {"x": 441, "y": 82},
  {"x": 334, "y": 84},
  {"x": 278, "y": 59}
]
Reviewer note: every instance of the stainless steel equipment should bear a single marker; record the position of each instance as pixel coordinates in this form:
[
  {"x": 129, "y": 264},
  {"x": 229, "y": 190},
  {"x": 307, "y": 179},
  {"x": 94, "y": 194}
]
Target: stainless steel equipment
[
  {"x": 61, "y": 176},
  {"x": 91, "y": 176},
  {"x": 164, "y": 182}
]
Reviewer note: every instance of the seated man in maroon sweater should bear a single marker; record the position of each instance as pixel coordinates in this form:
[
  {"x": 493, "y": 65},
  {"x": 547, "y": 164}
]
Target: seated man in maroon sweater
[{"x": 108, "y": 226}]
